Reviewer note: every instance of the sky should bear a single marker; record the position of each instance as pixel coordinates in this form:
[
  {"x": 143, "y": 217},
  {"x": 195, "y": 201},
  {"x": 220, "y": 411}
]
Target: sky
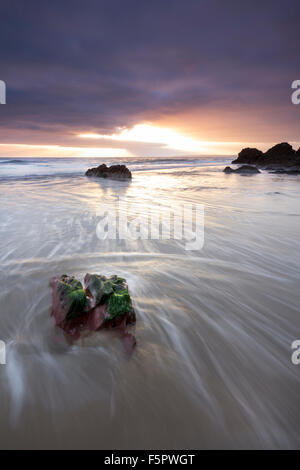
[{"x": 147, "y": 77}]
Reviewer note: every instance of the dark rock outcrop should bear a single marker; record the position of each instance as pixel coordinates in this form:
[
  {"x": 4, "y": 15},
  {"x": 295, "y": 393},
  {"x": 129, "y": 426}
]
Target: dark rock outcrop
[
  {"x": 245, "y": 169},
  {"x": 281, "y": 156},
  {"x": 248, "y": 155},
  {"x": 103, "y": 302},
  {"x": 116, "y": 172},
  {"x": 283, "y": 150}
]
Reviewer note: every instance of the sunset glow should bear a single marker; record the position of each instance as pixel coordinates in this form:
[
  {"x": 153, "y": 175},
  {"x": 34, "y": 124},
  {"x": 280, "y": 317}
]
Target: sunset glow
[
  {"x": 151, "y": 134},
  {"x": 167, "y": 138}
]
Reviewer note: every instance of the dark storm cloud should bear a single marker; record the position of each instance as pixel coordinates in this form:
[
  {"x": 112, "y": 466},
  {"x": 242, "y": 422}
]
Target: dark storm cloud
[{"x": 94, "y": 65}]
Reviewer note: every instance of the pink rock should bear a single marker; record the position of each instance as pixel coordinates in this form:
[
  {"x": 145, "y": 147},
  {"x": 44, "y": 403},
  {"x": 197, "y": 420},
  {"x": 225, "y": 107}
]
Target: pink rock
[{"x": 78, "y": 310}]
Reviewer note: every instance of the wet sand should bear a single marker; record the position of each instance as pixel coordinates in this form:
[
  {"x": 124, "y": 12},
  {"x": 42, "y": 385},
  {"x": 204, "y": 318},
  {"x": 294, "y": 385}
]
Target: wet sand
[{"x": 212, "y": 367}]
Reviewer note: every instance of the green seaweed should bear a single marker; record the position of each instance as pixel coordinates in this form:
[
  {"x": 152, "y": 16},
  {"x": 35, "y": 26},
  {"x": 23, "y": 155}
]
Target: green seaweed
[
  {"x": 102, "y": 287},
  {"x": 99, "y": 287},
  {"x": 71, "y": 281},
  {"x": 78, "y": 303},
  {"x": 72, "y": 297},
  {"x": 118, "y": 304}
]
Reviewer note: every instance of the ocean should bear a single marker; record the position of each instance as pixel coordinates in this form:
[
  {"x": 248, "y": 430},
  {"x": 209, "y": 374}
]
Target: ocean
[{"x": 212, "y": 367}]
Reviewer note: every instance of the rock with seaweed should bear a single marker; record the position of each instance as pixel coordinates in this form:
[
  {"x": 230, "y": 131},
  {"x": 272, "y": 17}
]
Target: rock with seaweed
[
  {"x": 103, "y": 302},
  {"x": 116, "y": 172}
]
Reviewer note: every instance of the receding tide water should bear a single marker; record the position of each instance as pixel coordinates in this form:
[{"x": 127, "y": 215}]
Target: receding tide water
[{"x": 212, "y": 367}]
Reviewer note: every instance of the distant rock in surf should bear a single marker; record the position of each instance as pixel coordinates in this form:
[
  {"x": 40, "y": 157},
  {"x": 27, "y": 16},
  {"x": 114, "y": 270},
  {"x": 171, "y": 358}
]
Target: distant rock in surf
[
  {"x": 103, "y": 302},
  {"x": 280, "y": 157},
  {"x": 242, "y": 169},
  {"x": 116, "y": 172}
]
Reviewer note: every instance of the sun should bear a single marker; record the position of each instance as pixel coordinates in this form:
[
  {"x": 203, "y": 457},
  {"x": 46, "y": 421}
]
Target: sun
[{"x": 149, "y": 134}]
